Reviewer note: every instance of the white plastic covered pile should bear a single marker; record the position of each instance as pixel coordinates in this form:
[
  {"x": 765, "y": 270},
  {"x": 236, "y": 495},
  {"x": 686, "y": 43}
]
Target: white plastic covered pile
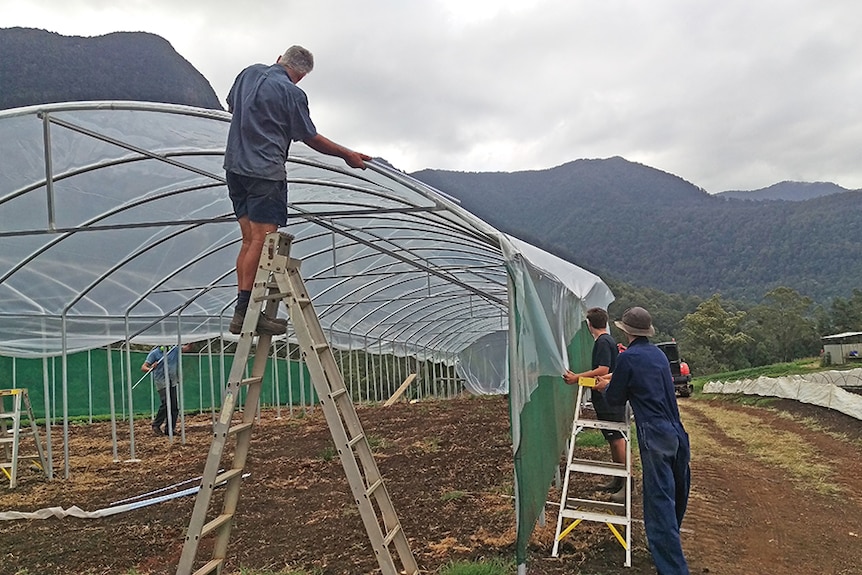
[{"x": 825, "y": 389}]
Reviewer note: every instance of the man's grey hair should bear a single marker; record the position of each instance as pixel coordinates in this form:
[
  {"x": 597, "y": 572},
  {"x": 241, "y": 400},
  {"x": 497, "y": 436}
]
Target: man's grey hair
[{"x": 297, "y": 58}]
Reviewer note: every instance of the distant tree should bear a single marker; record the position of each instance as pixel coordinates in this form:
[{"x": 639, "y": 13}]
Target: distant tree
[
  {"x": 847, "y": 314},
  {"x": 712, "y": 338},
  {"x": 783, "y": 325}
]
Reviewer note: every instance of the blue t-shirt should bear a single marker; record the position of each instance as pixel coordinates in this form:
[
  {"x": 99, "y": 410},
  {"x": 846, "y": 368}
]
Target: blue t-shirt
[
  {"x": 269, "y": 112},
  {"x": 158, "y": 371}
]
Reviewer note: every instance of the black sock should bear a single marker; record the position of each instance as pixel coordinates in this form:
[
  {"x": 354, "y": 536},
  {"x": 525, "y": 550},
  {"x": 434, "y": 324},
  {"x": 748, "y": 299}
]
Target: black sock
[{"x": 242, "y": 300}]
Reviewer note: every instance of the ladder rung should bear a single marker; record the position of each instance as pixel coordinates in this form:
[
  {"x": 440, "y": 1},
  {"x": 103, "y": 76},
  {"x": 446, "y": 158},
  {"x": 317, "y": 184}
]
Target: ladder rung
[
  {"x": 216, "y": 523},
  {"x": 227, "y": 475},
  {"x": 338, "y": 393},
  {"x": 574, "y": 502},
  {"x": 303, "y": 300},
  {"x": 250, "y": 380},
  {"x": 373, "y": 487},
  {"x": 239, "y": 427},
  {"x": 593, "y": 516},
  {"x": 356, "y": 440},
  {"x": 391, "y": 535},
  {"x": 211, "y": 567},
  {"x": 319, "y": 346},
  {"x": 600, "y": 424},
  {"x": 272, "y": 296},
  {"x": 598, "y": 467}
]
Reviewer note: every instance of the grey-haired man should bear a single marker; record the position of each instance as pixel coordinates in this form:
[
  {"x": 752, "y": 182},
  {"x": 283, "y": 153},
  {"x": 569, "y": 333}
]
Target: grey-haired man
[{"x": 269, "y": 112}]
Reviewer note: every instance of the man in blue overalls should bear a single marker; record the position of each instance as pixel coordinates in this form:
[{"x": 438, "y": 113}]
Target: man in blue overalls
[{"x": 642, "y": 377}]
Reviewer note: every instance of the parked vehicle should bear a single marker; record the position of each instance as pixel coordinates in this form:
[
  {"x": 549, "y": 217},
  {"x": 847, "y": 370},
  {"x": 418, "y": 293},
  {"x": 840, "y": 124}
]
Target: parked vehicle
[{"x": 678, "y": 368}]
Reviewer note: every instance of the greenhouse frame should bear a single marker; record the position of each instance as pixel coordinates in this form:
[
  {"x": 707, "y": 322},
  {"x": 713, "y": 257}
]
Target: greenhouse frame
[{"x": 117, "y": 230}]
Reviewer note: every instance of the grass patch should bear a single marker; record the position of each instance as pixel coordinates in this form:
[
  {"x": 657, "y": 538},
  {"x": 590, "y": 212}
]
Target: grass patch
[
  {"x": 454, "y": 495},
  {"x": 798, "y": 367},
  {"x": 375, "y": 442},
  {"x": 590, "y": 438},
  {"x": 428, "y": 445},
  {"x": 328, "y": 454},
  {"x": 783, "y": 449}
]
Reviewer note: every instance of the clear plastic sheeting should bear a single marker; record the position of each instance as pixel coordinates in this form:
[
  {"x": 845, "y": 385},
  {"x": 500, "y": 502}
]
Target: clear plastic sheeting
[{"x": 116, "y": 226}]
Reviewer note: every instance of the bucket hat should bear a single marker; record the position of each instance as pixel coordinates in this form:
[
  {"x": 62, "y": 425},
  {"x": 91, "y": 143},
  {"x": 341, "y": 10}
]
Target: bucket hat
[{"x": 636, "y": 321}]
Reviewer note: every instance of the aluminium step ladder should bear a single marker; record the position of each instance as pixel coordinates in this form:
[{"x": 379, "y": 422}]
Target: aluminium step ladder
[
  {"x": 21, "y": 426},
  {"x": 577, "y": 509},
  {"x": 278, "y": 278}
]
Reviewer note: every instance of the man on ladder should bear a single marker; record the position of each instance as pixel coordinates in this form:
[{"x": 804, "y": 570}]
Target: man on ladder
[
  {"x": 605, "y": 353},
  {"x": 269, "y": 111}
]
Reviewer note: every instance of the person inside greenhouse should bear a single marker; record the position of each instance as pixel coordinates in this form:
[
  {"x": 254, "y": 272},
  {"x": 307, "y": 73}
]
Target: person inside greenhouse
[
  {"x": 642, "y": 377},
  {"x": 165, "y": 372},
  {"x": 269, "y": 112},
  {"x": 605, "y": 353}
]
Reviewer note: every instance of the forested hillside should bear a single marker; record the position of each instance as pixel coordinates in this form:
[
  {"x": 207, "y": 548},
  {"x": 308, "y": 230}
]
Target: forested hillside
[
  {"x": 790, "y": 191},
  {"x": 650, "y": 228},
  {"x": 40, "y": 67}
]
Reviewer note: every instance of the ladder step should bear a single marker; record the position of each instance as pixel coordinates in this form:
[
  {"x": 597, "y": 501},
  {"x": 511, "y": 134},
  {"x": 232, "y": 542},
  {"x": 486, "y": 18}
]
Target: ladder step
[
  {"x": 216, "y": 523},
  {"x": 391, "y": 535},
  {"x": 575, "y": 502},
  {"x": 228, "y": 475},
  {"x": 599, "y": 424},
  {"x": 374, "y": 486},
  {"x": 211, "y": 567},
  {"x": 338, "y": 393},
  {"x": 594, "y": 516},
  {"x": 356, "y": 440},
  {"x": 240, "y": 427},
  {"x": 320, "y": 346},
  {"x": 21, "y": 435},
  {"x": 250, "y": 380},
  {"x": 20, "y": 457},
  {"x": 272, "y": 296},
  {"x": 598, "y": 467}
]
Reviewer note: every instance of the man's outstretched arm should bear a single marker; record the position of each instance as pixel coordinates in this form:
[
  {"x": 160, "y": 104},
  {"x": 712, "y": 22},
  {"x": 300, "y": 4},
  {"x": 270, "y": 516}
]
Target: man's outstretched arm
[{"x": 326, "y": 146}]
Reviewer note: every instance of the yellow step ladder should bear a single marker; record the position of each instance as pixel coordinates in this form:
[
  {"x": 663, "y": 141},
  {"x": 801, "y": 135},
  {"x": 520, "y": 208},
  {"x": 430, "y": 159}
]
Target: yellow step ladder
[
  {"x": 575, "y": 509},
  {"x": 278, "y": 278},
  {"x": 17, "y": 424}
]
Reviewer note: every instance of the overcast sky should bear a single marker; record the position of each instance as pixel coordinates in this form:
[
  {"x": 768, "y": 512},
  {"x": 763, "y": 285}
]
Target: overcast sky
[{"x": 730, "y": 94}]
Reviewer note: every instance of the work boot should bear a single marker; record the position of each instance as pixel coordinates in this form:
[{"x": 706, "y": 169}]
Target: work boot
[
  {"x": 265, "y": 325},
  {"x": 157, "y": 430},
  {"x": 613, "y": 485},
  {"x": 619, "y": 496}
]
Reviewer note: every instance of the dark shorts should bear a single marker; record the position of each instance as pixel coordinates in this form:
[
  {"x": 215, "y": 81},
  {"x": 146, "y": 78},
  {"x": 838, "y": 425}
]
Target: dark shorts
[
  {"x": 607, "y": 412},
  {"x": 263, "y": 201}
]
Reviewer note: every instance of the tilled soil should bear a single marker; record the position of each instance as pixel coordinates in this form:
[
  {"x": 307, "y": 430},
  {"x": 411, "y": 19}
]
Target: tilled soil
[{"x": 448, "y": 470}]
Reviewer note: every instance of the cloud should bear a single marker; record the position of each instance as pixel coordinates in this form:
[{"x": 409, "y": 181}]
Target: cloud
[{"x": 729, "y": 95}]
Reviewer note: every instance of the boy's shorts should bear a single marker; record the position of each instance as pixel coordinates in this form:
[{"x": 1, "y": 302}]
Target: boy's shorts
[{"x": 263, "y": 201}]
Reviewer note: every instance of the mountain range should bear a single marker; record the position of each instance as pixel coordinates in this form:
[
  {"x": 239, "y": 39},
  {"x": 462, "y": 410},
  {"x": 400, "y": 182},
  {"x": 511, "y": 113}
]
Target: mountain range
[
  {"x": 649, "y": 228},
  {"x": 624, "y": 221}
]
